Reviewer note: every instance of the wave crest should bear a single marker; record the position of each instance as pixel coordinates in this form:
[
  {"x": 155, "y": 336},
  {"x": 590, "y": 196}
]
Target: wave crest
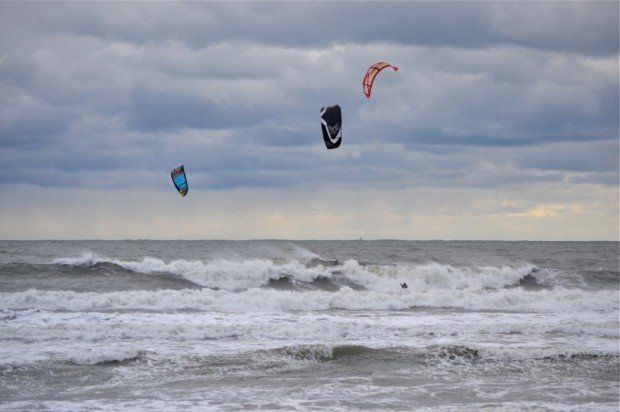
[
  {"x": 270, "y": 300},
  {"x": 237, "y": 275},
  {"x": 105, "y": 357}
]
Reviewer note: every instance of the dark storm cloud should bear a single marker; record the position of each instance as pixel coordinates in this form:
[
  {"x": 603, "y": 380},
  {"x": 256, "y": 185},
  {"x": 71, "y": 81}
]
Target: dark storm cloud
[
  {"x": 149, "y": 111},
  {"x": 561, "y": 26}
]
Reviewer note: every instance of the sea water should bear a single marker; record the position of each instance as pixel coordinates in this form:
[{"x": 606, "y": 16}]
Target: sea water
[{"x": 309, "y": 325}]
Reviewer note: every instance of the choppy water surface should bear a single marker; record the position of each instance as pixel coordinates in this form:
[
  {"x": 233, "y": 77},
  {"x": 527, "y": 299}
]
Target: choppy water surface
[{"x": 312, "y": 325}]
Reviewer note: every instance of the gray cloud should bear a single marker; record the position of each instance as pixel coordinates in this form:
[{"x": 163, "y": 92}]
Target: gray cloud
[
  {"x": 488, "y": 95},
  {"x": 575, "y": 156},
  {"x": 559, "y": 26}
]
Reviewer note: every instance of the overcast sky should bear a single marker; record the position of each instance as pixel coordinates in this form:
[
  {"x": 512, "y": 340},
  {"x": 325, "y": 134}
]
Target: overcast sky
[{"x": 502, "y": 122}]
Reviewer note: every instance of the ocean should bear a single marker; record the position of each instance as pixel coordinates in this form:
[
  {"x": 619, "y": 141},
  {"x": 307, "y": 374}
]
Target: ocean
[{"x": 146, "y": 325}]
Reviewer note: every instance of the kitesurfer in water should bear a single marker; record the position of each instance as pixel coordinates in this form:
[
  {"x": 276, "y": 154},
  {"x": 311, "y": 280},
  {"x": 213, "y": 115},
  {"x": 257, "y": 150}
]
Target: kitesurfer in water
[{"x": 404, "y": 285}]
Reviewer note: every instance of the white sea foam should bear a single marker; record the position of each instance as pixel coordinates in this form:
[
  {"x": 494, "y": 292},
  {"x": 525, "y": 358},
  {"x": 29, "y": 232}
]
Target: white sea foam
[
  {"x": 102, "y": 355},
  {"x": 229, "y": 275},
  {"x": 554, "y": 277},
  {"x": 220, "y": 274},
  {"x": 86, "y": 259},
  {"x": 269, "y": 300},
  {"x": 466, "y": 335},
  {"x": 42, "y": 326},
  {"x": 434, "y": 276},
  {"x": 305, "y": 401},
  {"x": 246, "y": 274}
]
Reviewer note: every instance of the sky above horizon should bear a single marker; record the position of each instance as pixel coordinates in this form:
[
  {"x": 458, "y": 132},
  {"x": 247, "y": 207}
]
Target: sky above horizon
[{"x": 501, "y": 124}]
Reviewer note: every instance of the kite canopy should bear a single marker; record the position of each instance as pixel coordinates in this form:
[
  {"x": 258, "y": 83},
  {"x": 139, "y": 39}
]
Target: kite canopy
[
  {"x": 331, "y": 125},
  {"x": 371, "y": 74},
  {"x": 180, "y": 180}
]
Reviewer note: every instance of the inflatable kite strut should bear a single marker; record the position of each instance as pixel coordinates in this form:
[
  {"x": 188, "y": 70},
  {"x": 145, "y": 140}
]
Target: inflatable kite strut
[{"x": 371, "y": 74}]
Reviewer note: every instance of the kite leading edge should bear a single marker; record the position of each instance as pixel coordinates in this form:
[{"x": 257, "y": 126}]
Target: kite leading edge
[{"x": 371, "y": 74}]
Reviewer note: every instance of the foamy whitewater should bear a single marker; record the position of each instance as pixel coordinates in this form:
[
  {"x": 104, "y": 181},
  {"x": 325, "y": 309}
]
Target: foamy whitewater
[{"x": 309, "y": 325}]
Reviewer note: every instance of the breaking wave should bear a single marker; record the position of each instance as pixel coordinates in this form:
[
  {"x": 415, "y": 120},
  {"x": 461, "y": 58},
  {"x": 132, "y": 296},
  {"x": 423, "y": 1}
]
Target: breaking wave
[
  {"x": 270, "y": 300},
  {"x": 246, "y": 274},
  {"x": 104, "y": 357},
  {"x": 440, "y": 354}
]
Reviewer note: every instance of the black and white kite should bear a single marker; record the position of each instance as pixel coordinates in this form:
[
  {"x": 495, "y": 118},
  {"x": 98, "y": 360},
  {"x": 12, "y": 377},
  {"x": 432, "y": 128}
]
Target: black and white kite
[{"x": 331, "y": 124}]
